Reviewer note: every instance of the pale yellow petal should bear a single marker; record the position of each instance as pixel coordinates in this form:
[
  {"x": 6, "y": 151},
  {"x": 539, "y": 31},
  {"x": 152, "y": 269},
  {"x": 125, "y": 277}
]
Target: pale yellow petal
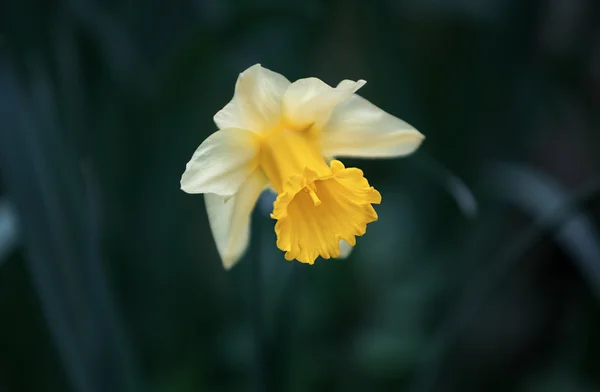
[
  {"x": 358, "y": 128},
  {"x": 222, "y": 163},
  {"x": 310, "y": 101},
  {"x": 256, "y": 104},
  {"x": 345, "y": 249},
  {"x": 230, "y": 219}
]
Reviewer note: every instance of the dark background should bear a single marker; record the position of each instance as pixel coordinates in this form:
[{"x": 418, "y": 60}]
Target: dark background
[{"x": 482, "y": 273}]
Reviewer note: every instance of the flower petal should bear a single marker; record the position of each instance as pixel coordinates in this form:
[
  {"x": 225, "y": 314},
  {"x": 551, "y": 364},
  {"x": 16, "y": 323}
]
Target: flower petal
[
  {"x": 256, "y": 103},
  {"x": 222, "y": 163},
  {"x": 358, "y": 128},
  {"x": 345, "y": 249},
  {"x": 310, "y": 101},
  {"x": 229, "y": 218}
]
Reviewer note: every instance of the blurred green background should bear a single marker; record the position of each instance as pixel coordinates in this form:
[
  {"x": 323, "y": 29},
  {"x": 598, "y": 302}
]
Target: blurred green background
[{"x": 482, "y": 273}]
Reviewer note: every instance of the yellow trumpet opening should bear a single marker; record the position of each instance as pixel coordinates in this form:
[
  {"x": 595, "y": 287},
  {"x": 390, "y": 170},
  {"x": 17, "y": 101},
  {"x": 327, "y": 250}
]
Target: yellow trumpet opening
[{"x": 315, "y": 211}]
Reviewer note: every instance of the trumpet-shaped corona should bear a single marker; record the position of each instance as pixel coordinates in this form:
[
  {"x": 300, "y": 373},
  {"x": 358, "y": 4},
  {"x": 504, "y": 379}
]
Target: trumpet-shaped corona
[
  {"x": 282, "y": 135},
  {"x": 317, "y": 205},
  {"x": 315, "y": 212}
]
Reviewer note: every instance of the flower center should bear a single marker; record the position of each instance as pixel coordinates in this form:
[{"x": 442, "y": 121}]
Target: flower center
[
  {"x": 286, "y": 153},
  {"x": 311, "y": 189}
]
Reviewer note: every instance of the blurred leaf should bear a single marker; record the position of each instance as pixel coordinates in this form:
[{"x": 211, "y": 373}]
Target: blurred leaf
[
  {"x": 540, "y": 196},
  {"x": 9, "y": 229},
  {"x": 61, "y": 237},
  {"x": 450, "y": 182},
  {"x": 476, "y": 294}
]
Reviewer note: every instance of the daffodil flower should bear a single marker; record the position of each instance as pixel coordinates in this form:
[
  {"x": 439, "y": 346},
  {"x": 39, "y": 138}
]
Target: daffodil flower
[{"x": 285, "y": 136}]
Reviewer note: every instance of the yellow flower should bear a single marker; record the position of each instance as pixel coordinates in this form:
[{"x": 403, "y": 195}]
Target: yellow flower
[{"x": 285, "y": 135}]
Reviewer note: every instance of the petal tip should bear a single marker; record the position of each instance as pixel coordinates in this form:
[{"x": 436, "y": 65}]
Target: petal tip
[
  {"x": 229, "y": 262},
  {"x": 183, "y": 184},
  {"x": 257, "y": 66},
  {"x": 419, "y": 137}
]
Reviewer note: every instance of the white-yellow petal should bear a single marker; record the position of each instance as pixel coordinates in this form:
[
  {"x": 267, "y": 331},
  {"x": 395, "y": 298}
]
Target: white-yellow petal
[
  {"x": 256, "y": 103},
  {"x": 345, "y": 249},
  {"x": 357, "y": 128},
  {"x": 311, "y": 101},
  {"x": 229, "y": 218},
  {"x": 222, "y": 162}
]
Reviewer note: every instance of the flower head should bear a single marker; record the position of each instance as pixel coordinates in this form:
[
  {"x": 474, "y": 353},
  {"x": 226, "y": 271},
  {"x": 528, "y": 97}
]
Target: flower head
[{"x": 286, "y": 135}]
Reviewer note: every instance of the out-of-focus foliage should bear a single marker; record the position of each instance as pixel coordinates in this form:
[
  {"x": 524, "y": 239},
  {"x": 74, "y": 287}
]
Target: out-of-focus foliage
[{"x": 482, "y": 273}]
